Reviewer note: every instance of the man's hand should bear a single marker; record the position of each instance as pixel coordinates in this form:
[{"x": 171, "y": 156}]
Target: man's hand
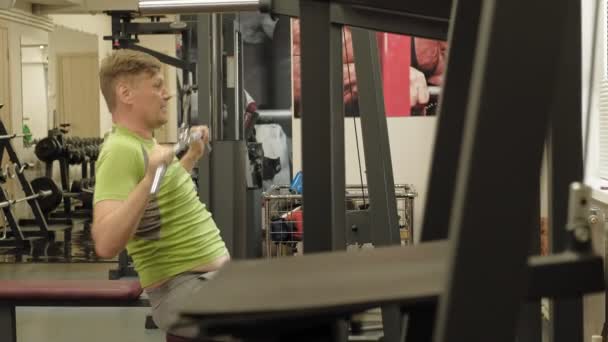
[
  {"x": 197, "y": 147},
  {"x": 160, "y": 155},
  {"x": 419, "y": 91}
]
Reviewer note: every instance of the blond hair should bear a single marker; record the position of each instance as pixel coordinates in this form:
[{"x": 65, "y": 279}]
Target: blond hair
[{"x": 123, "y": 63}]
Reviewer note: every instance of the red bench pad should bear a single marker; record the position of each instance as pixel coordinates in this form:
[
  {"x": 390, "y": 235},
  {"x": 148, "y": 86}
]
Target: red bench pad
[{"x": 70, "y": 289}]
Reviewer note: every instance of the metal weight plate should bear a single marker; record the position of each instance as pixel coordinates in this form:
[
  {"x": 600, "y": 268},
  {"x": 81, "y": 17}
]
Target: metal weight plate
[
  {"x": 49, "y": 203},
  {"x": 48, "y": 149}
]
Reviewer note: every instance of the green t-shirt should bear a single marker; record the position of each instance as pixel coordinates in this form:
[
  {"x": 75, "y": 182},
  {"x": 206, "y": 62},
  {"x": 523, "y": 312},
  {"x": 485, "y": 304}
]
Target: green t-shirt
[{"x": 176, "y": 232}]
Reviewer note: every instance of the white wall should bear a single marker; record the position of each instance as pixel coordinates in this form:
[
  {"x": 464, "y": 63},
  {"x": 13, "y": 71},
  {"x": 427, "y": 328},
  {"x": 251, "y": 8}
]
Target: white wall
[
  {"x": 411, "y": 140},
  {"x": 592, "y": 162},
  {"x": 34, "y": 89},
  {"x": 16, "y": 32},
  {"x": 167, "y": 45}
]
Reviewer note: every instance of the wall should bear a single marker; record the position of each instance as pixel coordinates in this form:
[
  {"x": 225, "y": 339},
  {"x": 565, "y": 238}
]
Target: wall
[
  {"x": 100, "y": 26},
  {"x": 167, "y": 45},
  {"x": 97, "y": 25},
  {"x": 411, "y": 140},
  {"x": 65, "y": 40},
  {"x": 34, "y": 88}
]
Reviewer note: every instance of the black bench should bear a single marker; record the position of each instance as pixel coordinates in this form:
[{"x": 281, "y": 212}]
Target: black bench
[
  {"x": 77, "y": 293},
  {"x": 302, "y": 298}
]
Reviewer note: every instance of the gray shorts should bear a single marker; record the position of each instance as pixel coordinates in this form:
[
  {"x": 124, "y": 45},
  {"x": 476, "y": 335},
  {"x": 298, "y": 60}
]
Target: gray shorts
[{"x": 165, "y": 300}]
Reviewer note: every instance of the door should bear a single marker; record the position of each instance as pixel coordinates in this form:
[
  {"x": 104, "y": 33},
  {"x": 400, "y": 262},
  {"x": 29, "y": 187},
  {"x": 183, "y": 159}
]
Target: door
[{"x": 78, "y": 93}]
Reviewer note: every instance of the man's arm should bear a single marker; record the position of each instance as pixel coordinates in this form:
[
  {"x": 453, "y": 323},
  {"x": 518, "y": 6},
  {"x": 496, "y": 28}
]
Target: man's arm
[
  {"x": 188, "y": 160},
  {"x": 115, "y": 222}
]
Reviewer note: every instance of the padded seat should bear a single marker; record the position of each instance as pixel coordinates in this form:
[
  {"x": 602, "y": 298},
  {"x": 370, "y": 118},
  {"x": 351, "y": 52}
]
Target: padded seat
[
  {"x": 74, "y": 293},
  {"x": 69, "y": 290}
]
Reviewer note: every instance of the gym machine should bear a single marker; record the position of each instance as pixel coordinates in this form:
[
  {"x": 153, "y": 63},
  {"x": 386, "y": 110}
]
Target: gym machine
[{"x": 445, "y": 287}]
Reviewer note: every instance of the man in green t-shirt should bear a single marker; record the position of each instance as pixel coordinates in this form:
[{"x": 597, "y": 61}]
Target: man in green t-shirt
[{"x": 174, "y": 242}]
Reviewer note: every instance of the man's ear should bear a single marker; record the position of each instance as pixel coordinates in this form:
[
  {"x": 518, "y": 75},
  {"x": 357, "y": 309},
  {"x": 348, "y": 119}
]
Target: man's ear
[{"x": 124, "y": 92}]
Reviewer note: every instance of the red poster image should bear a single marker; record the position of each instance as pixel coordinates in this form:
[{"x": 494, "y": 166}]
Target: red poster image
[{"x": 412, "y": 72}]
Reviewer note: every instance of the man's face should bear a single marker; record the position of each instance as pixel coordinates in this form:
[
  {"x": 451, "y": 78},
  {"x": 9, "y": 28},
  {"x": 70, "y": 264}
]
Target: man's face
[{"x": 150, "y": 99}]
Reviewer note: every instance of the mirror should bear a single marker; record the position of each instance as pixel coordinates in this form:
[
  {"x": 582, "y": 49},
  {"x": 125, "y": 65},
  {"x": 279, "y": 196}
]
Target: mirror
[{"x": 74, "y": 97}]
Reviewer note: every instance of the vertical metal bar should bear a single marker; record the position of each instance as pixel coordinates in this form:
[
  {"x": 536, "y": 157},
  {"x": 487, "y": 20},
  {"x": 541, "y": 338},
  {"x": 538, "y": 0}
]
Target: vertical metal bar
[
  {"x": 384, "y": 220},
  {"x": 420, "y": 323},
  {"x": 322, "y": 130},
  {"x": 231, "y": 87},
  {"x": 64, "y": 170},
  {"x": 565, "y": 155},
  {"x": 489, "y": 259},
  {"x": 12, "y": 222},
  {"x": 186, "y": 35},
  {"x": 8, "y": 324},
  {"x": 529, "y": 328},
  {"x": 229, "y": 196},
  {"x": 253, "y": 236},
  {"x": 450, "y": 124},
  {"x": 204, "y": 101},
  {"x": 376, "y": 145},
  {"x": 216, "y": 73},
  {"x": 240, "y": 86}
]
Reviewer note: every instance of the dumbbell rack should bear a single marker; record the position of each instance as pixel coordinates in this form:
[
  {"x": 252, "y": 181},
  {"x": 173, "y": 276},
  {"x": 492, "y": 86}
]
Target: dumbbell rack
[
  {"x": 67, "y": 151},
  {"x": 19, "y": 238},
  {"x": 88, "y": 170}
]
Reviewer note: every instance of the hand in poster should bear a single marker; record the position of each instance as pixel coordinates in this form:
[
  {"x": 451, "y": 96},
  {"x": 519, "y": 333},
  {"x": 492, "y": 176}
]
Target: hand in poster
[{"x": 419, "y": 91}]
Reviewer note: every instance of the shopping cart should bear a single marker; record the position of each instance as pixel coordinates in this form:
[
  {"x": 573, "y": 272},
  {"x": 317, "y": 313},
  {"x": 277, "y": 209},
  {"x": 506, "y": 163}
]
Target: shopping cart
[{"x": 283, "y": 217}]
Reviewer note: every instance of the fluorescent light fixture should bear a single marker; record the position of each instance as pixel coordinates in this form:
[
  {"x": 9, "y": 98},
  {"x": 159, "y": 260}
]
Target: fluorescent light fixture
[{"x": 196, "y": 6}]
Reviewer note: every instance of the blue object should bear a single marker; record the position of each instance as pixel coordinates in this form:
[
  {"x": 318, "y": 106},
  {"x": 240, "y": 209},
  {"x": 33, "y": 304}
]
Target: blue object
[{"x": 296, "y": 183}]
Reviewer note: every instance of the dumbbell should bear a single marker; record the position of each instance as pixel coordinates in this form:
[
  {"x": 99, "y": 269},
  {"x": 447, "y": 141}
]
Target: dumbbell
[
  {"x": 81, "y": 185},
  {"x": 49, "y": 149}
]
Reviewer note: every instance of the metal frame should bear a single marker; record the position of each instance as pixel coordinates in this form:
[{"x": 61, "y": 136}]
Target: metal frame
[
  {"x": 6, "y": 146},
  {"x": 450, "y": 123},
  {"x": 383, "y": 205},
  {"x": 204, "y": 100},
  {"x": 369, "y": 15},
  {"x": 489, "y": 164},
  {"x": 322, "y": 130},
  {"x": 565, "y": 165},
  {"x": 124, "y": 36}
]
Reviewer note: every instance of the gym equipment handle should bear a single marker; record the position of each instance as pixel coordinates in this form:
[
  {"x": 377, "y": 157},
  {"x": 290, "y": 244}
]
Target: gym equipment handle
[{"x": 160, "y": 171}]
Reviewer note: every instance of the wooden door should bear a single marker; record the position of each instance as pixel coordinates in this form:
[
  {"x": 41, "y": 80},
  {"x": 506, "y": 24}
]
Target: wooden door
[{"x": 78, "y": 93}]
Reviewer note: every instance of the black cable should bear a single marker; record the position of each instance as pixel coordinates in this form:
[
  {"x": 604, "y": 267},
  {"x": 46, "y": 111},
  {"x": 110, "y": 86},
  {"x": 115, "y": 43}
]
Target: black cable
[{"x": 354, "y": 119}]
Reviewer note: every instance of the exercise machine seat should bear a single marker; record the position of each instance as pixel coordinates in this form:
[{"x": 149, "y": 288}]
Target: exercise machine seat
[{"x": 69, "y": 289}]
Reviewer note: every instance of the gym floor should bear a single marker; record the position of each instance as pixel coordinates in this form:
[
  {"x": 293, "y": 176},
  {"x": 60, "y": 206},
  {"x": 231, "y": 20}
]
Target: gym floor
[{"x": 79, "y": 250}]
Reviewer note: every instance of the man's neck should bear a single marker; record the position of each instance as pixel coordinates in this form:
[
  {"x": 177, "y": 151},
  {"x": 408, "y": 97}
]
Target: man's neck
[{"x": 134, "y": 127}]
